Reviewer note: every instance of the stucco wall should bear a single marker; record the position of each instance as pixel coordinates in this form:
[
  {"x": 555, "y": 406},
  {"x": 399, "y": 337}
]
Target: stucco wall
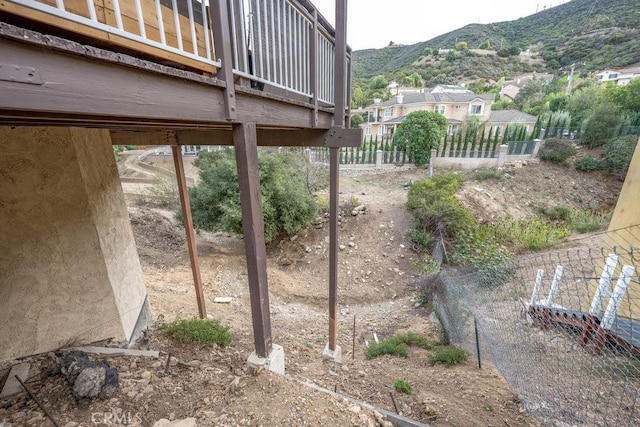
[
  {"x": 627, "y": 214},
  {"x": 69, "y": 271}
]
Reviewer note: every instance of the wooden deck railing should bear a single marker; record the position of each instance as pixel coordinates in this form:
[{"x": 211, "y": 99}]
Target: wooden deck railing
[{"x": 286, "y": 44}]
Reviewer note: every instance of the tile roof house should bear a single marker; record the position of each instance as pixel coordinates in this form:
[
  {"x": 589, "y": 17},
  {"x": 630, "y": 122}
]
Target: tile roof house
[
  {"x": 510, "y": 88},
  {"x": 454, "y": 102}
]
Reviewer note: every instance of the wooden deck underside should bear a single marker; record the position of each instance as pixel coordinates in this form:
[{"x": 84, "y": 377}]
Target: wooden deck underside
[{"x": 46, "y": 80}]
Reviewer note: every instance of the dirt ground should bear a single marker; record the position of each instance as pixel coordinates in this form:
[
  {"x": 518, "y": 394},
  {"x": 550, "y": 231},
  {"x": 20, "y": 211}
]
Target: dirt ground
[{"x": 378, "y": 283}]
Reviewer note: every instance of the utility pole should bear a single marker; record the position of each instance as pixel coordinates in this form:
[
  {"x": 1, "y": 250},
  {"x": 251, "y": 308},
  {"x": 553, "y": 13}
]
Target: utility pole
[{"x": 573, "y": 66}]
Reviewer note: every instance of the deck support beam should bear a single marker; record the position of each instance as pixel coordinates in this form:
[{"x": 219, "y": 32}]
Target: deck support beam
[
  {"x": 332, "y": 350},
  {"x": 188, "y": 227},
  {"x": 245, "y": 139}
]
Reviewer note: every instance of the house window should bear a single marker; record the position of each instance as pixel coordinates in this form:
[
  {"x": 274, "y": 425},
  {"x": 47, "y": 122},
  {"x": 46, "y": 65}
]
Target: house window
[
  {"x": 440, "y": 109},
  {"x": 475, "y": 109},
  {"x": 367, "y": 130},
  {"x": 380, "y": 130},
  {"x": 452, "y": 129},
  {"x": 613, "y": 76},
  {"x": 388, "y": 112}
]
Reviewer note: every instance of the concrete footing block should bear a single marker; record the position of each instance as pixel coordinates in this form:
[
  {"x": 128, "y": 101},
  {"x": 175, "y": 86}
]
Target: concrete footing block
[
  {"x": 335, "y": 355},
  {"x": 274, "y": 362},
  {"x": 13, "y": 386}
]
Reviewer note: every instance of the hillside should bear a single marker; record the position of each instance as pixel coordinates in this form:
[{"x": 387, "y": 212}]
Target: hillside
[{"x": 600, "y": 34}]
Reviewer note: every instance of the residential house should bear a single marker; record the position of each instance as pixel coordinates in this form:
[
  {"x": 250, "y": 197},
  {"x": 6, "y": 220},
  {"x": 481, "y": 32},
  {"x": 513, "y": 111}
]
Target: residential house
[
  {"x": 454, "y": 102},
  {"x": 500, "y": 119},
  {"x": 511, "y": 88},
  {"x": 621, "y": 77}
]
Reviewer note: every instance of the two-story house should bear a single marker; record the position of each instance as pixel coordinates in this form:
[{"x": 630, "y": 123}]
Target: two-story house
[
  {"x": 454, "y": 102},
  {"x": 621, "y": 77}
]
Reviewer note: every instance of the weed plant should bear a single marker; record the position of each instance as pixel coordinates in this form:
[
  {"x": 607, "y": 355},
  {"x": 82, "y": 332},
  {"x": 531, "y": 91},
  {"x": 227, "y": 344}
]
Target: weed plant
[
  {"x": 402, "y": 386},
  {"x": 201, "y": 331}
]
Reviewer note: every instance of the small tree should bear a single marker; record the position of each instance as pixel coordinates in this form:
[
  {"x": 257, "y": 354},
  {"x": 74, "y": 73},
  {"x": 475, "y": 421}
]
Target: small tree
[
  {"x": 601, "y": 125},
  {"x": 378, "y": 82},
  {"x": 287, "y": 205},
  {"x": 461, "y": 46},
  {"x": 356, "y": 120},
  {"x": 419, "y": 133},
  {"x": 485, "y": 45}
]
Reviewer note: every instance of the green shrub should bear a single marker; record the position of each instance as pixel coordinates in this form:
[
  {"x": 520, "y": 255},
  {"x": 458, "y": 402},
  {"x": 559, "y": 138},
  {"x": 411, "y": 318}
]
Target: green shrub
[
  {"x": 585, "y": 221},
  {"x": 557, "y": 213},
  {"x": 402, "y": 386},
  {"x": 287, "y": 204},
  {"x": 587, "y": 164},
  {"x": 617, "y": 155},
  {"x": 556, "y": 150},
  {"x": 448, "y": 355},
  {"x": 391, "y": 347},
  {"x": 601, "y": 125},
  {"x": 484, "y": 174},
  {"x": 435, "y": 205},
  {"x": 397, "y": 345},
  {"x": 537, "y": 234},
  {"x": 203, "y": 331}
]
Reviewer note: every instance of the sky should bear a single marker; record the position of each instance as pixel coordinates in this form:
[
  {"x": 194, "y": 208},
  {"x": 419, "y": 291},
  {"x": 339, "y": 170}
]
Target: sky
[{"x": 374, "y": 23}]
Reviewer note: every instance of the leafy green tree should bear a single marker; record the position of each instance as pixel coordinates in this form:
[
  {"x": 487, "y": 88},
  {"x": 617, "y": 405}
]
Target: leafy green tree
[
  {"x": 485, "y": 45},
  {"x": 414, "y": 80},
  {"x": 427, "y": 51},
  {"x": 601, "y": 125},
  {"x": 531, "y": 94},
  {"x": 558, "y": 103},
  {"x": 452, "y": 56},
  {"x": 462, "y": 46},
  {"x": 359, "y": 98},
  {"x": 378, "y": 82},
  {"x": 356, "y": 121},
  {"x": 582, "y": 101},
  {"x": 618, "y": 154},
  {"x": 287, "y": 205},
  {"x": 419, "y": 133},
  {"x": 627, "y": 97}
]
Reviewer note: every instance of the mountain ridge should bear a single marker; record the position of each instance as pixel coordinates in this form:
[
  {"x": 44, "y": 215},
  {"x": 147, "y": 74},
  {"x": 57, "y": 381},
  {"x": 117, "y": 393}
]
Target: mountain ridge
[{"x": 594, "y": 34}]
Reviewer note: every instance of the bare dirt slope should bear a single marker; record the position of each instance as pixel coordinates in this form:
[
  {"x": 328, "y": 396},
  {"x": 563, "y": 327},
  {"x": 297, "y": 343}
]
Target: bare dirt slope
[{"x": 378, "y": 281}]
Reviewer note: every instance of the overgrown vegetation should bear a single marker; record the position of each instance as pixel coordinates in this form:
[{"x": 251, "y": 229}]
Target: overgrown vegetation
[
  {"x": 557, "y": 150},
  {"x": 287, "y": 204},
  {"x": 448, "y": 355},
  {"x": 484, "y": 174},
  {"x": 617, "y": 155},
  {"x": 488, "y": 247},
  {"x": 402, "y": 386},
  {"x": 200, "y": 331},
  {"x": 397, "y": 345},
  {"x": 582, "y": 221}
]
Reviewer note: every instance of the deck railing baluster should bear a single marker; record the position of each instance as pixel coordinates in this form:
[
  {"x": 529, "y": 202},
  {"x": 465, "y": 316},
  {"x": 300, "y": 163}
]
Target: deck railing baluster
[
  {"x": 163, "y": 37},
  {"x": 92, "y": 10},
  {"x": 176, "y": 20},
  {"x": 192, "y": 25},
  {"x": 143, "y": 32},
  {"x": 207, "y": 33}
]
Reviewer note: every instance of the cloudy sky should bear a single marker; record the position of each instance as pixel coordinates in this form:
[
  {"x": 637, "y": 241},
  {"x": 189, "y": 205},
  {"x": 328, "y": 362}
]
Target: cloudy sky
[{"x": 374, "y": 23}]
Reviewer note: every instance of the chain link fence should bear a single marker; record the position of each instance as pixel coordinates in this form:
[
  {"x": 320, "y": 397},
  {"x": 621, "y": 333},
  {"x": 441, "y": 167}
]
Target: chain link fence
[{"x": 563, "y": 327}]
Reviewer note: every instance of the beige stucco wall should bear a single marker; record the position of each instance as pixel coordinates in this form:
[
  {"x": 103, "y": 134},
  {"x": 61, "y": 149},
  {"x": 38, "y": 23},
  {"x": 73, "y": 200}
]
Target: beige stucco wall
[
  {"x": 622, "y": 235},
  {"x": 69, "y": 270}
]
